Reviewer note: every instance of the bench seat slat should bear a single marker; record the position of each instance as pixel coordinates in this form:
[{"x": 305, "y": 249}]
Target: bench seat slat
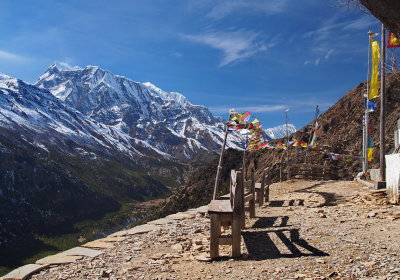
[{"x": 220, "y": 206}]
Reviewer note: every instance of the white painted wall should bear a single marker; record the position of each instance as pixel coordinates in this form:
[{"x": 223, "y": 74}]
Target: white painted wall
[{"x": 393, "y": 177}]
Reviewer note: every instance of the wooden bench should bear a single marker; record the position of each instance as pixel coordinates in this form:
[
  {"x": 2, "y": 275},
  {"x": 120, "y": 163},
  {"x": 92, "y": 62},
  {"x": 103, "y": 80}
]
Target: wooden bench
[
  {"x": 262, "y": 188},
  {"x": 227, "y": 212},
  {"x": 248, "y": 196}
]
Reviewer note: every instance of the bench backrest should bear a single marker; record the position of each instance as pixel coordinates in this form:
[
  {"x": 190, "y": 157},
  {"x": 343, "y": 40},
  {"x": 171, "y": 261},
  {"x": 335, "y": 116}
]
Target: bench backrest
[
  {"x": 236, "y": 190},
  {"x": 265, "y": 179},
  {"x": 249, "y": 185}
]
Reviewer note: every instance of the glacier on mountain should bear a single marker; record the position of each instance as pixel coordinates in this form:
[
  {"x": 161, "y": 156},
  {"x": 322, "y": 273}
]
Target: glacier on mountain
[
  {"x": 165, "y": 120},
  {"x": 279, "y": 131}
]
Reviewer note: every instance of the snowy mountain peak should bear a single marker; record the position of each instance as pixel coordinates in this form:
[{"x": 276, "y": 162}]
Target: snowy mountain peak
[
  {"x": 63, "y": 66},
  {"x": 4, "y": 79},
  {"x": 280, "y": 131},
  {"x": 164, "y": 120}
]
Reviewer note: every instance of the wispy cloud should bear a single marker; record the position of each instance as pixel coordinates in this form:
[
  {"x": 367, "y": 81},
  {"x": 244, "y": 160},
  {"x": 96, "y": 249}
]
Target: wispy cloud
[
  {"x": 253, "y": 109},
  {"x": 224, "y": 8},
  {"x": 333, "y": 36},
  {"x": 235, "y": 45},
  {"x": 12, "y": 57}
]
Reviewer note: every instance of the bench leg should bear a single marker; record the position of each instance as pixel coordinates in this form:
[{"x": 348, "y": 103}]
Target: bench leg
[
  {"x": 215, "y": 232},
  {"x": 236, "y": 236},
  {"x": 267, "y": 194},
  {"x": 261, "y": 196},
  {"x": 243, "y": 219},
  {"x": 252, "y": 208}
]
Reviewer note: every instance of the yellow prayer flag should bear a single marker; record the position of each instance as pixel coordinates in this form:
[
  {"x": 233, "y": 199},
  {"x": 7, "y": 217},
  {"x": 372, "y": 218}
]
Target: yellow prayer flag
[
  {"x": 374, "y": 84},
  {"x": 255, "y": 121},
  {"x": 370, "y": 154},
  {"x": 393, "y": 41}
]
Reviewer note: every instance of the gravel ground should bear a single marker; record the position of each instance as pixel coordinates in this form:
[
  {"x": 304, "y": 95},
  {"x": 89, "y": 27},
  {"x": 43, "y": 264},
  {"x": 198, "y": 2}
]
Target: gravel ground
[{"x": 309, "y": 230}]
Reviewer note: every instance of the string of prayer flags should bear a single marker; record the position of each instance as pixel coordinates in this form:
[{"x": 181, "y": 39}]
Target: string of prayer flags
[
  {"x": 374, "y": 84},
  {"x": 253, "y": 146},
  {"x": 393, "y": 42},
  {"x": 255, "y": 135}
]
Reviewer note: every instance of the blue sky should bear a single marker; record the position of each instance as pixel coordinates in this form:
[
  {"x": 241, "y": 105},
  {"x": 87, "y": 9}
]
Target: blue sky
[{"x": 258, "y": 56}]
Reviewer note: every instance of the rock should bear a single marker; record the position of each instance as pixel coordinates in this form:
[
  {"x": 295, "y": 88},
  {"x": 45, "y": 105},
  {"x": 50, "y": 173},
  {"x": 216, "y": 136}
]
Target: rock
[
  {"x": 203, "y": 258},
  {"x": 99, "y": 244},
  {"x": 369, "y": 265},
  {"x": 58, "y": 259},
  {"x": 24, "y": 272},
  {"x": 371, "y": 214},
  {"x": 332, "y": 274},
  {"x": 157, "y": 256},
  {"x": 177, "y": 248}
]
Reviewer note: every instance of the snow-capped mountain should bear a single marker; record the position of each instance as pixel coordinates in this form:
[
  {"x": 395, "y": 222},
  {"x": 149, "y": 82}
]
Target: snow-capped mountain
[
  {"x": 36, "y": 114},
  {"x": 58, "y": 166},
  {"x": 280, "y": 131},
  {"x": 164, "y": 120}
]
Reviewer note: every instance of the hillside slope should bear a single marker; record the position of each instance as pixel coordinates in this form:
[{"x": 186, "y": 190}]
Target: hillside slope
[{"x": 339, "y": 131}]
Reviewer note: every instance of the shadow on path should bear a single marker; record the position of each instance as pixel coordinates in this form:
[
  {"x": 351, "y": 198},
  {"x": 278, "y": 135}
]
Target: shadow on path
[
  {"x": 268, "y": 222},
  {"x": 260, "y": 245}
]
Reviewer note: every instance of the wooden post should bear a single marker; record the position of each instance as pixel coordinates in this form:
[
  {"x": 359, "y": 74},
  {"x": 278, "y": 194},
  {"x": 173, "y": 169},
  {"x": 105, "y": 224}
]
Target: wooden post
[
  {"x": 383, "y": 105},
  {"x": 267, "y": 184},
  {"x": 252, "y": 202},
  {"x": 236, "y": 236},
  {"x": 221, "y": 156},
  {"x": 287, "y": 148},
  {"x": 262, "y": 189},
  {"x": 215, "y": 232}
]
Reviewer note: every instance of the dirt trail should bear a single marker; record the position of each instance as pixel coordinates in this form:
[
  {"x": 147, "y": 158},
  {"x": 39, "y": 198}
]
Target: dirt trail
[{"x": 310, "y": 230}]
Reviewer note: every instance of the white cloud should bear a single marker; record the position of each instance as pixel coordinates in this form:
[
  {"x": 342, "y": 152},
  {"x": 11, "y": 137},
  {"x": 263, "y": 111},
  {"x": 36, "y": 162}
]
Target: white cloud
[
  {"x": 335, "y": 35},
  {"x": 224, "y": 8},
  {"x": 253, "y": 109},
  {"x": 329, "y": 53},
  {"x": 4, "y": 55},
  {"x": 177, "y": 54},
  {"x": 235, "y": 45}
]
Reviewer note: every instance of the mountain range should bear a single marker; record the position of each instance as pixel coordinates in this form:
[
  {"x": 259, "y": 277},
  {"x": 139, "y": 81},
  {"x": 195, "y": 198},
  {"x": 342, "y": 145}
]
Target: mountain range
[
  {"x": 166, "y": 121},
  {"x": 83, "y": 142}
]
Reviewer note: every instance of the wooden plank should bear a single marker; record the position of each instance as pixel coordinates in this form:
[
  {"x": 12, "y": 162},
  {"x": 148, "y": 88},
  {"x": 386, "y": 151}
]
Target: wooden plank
[
  {"x": 252, "y": 202},
  {"x": 236, "y": 236},
  {"x": 219, "y": 206},
  {"x": 248, "y": 197},
  {"x": 215, "y": 232}
]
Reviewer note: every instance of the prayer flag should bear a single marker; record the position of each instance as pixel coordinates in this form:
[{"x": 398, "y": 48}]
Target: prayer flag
[
  {"x": 393, "y": 42},
  {"x": 255, "y": 121},
  {"x": 371, "y": 106},
  {"x": 246, "y": 116},
  {"x": 370, "y": 146},
  {"x": 374, "y": 84}
]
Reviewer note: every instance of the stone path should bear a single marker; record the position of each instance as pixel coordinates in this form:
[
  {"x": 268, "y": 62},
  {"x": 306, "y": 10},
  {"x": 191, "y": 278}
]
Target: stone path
[{"x": 310, "y": 230}]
